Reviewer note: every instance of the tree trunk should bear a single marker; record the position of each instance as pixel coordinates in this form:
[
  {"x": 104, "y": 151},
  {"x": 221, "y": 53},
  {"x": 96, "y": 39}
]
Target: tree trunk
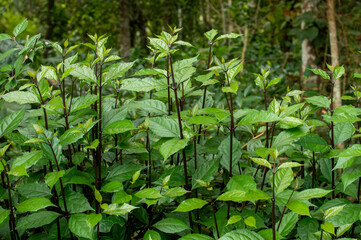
[
  {"x": 334, "y": 48},
  {"x": 124, "y": 28},
  {"x": 308, "y": 52}
]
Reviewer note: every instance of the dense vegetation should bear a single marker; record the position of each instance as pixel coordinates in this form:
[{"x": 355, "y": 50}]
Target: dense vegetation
[{"x": 176, "y": 146}]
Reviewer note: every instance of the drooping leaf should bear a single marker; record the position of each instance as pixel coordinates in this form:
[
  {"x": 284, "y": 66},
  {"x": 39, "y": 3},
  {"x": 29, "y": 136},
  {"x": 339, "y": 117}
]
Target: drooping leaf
[
  {"x": 75, "y": 202},
  {"x": 172, "y": 146},
  {"x": 116, "y": 71},
  {"x": 289, "y": 221},
  {"x": 119, "y": 127},
  {"x": 283, "y": 178},
  {"x": 36, "y": 220},
  {"x": 171, "y": 225},
  {"x": 21, "y": 97},
  {"x": 10, "y": 122}
]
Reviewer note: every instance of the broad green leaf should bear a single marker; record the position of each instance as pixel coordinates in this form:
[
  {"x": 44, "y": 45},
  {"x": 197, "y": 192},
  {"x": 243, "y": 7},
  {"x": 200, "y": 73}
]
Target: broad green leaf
[
  {"x": 348, "y": 215},
  {"x": 204, "y": 120},
  {"x": 233, "y": 195},
  {"x": 175, "y": 192},
  {"x": 11, "y": 121},
  {"x": 75, "y": 202},
  {"x": 289, "y": 136},
  {"x": 71, "y": 136},
  {"x": 288, "y": 223},
  {"x": 290, "y": 122},
  {"x": 299, "y": 207},
  {"x": 159, "y": 44},
  {"x": 116, "y": 71},
  {"x": 171, "y": 225},
  {"x": 255, "y": 116},
  {"x": 78, "y": 225},
  {"x": 196, "y": 236},
  {"x": 119, "y": 127},
  {"x": 211, "y": 34},
  {"x": 350, "y": 175},
  {"x": 122, "y": 172},
  {"x": 283, "y": 178},
  {"x": 228, "y": 36},
  {"x": 33, "y": 204},
  {"x": 310, "y": 193},
  {"x": 34, "y": 190},
  {"x": 150, "y": 193},
  {"x": 142, "y": 85},
  {"x": 7, "y": 54},
  {"x": 274, "y": 81},
  {"x": 52, "y": 177},
  {"x": 233, "y": 88},
  {"x": 314, "y": 142},
  {"x": 151, "y": 106},
  {"x": 333, "y": 211},
  {"x": 83, "y": 72},
  {"x": 289, "y": 165},
  {"x": 121, "y": 197},
  {"x": 342, "y": 132},
  {"x": 343, "y": 229},
  {"x": 353, "y": 151},
  {"x": 319, "y": 101},
  {"x": 82, "y": 102},
  {"x": 113, "y": 186},
  {"x": 172, "y": 146},
  {"x": 250, "y": 221},
  {"x": 114, "y": 209},
  {"x": 339, "y": 71},
  {"x": 164, "y": 127},
  {"x": 205, "y": 172},
  {"x": 93, "y": 219},
  {"x": 262, "y": 162},
  {"x": 20, "y": 28},
  {"x": 224, "y": 150},
  {"x": 232, "y": 73},
  {"x": 321, "y": 73},
  {"x": 190, "y": 204},
  {"x": 306, "y": 228},
  {"x": 328, "y": 227},
  {"x": 18, "y": 171},
  {"x": 4, "y": 36},
  {"x": 241, "y": 234},
  {"x": 241, "y": 182},
  {"x": 152, "y": 235},
  {"x": 268, "y": 235},
  {"x": 36, "y": 220},
  {"x": 234, "y": 219},
  {"x": 3, "y": 214},
  {"x": 21, "y": 97}
]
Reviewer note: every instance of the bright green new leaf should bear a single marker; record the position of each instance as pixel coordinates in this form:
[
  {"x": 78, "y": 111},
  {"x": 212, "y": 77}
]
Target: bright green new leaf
[
  {"x": 234, "y": 219},
  {"x": 299, "y": 207},
  {"x": 262, "y": 162},
  {"x": 52, "y": 177},
  {"x": 211, "y": 34},
  {"x": 250, "y": 221},
  {"x": 113, "y": 186},
  {"x": 149, "y": 193},
  {"x": 175, "y": 192},
  {"x": 93, "y": 219},
  {"x": 152, "y": 235},
  {"x": 114, "y": 209},
  {"x": 190, "y": 204},
  {"x": 18, "y": 171},
  {"x": 321, "y": 73}
]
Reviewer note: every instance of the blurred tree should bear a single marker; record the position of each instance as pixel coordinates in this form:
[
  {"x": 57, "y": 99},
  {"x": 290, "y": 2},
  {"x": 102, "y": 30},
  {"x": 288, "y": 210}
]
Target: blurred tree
[{"x": 124, "y": 29}]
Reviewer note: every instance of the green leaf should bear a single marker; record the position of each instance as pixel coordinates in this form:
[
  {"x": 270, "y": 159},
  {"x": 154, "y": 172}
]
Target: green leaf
[
  {"x": 255, "y": 116},
  {"x": 314, "y": 142},
  {"x": 250, "y": 221},
  {"x": 211, "y": 34},
  {"x": 71, "y": 136},
  {"x": 333, "y": 211},
  {"x": 175, "y": 192},
  {"x": 350, "y": 175},
  {"x": 241, "y": 234},
  {"x": 34, "y": 190},
  {"x": 113, "y": 186},
  {"x": 319, "y": 101},
  {"x": 82, "y": 102},
  {"x": 116, "y": 71},
  {"x": 339, "y": 71},
  {"x": 299, "y": 207},
  {"x": 274, "y": 81},
  {"x": 233, "y": 195},
  {"x": 228, "y": 36},
  {"x": 289, "y": 136},
  {"x": 241, "y": 182},
  {"x": 52, "y": 177},
  {"x": 7, "y": 54},
  {"x": 190, "y": 204},
  {"x": 121, "y": 197},
  {"x": 172, "y": 146},
  {"x": 4, "y": 36},
  {"x": 36, "y": 220},
  {"x": 93, "y": 219},
  {"x": 204, "y": 120},
  {"x": 75, "y": 202},
  {"x": 223, "y": 152},
  {"x": 151, "y": 106},
  {"x": 288, "y": 223},
  {"x": 234, "y": 219},
  {"x": 34, "y": 204},
  {"x": 343, "y": 131},
  {"x": 233, "y": 88},
  {"x": 289, "y": 165},
  {"x": 10, "y": 122},
  {"x": 20, "y": 97},
  {"x": 20, "y": 28},
  {"x": 119, "y": 127},
  {"x": 149, "y": 193},
  {"x": 205, "y": 172},
  {"x": 114, "y": 209},
  {"x": 306, "y": 227},
  {"x": 164, "y": 127},
  {"x": 328, "y": 227},
  {"x": 348, "y": 215},
  {"x": 152, "y": 235},
  {"x": 78, "y": 225},
  {"x": 18, "y": 171},
  {"x": 262, "y": 162},
  {"x": 290, "y": 122},
  {"x": 83, "y": 72},
  {"x": 142, "y": 85},
  {"x": 171, "y": 225},
  {"x": 321, "y": 73},
  {"x": 159, "y": 44},
  {"x": 122, "y": 172},
  {"x": 343, "y": 229},
  {"x": 196, "y": 236},
  {"x": 310, "y": 193},
  {"x": 283, "y": 178},
  {"x": 3, "y": 214}
]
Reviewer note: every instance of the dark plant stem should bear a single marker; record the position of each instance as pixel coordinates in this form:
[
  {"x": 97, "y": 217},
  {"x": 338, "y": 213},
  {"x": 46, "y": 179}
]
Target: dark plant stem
[
  {"x": 273, "y": 202},
  {"x": 187, "y": 186},
  {"x": 313, "y": 169},
  {"x": 12, "y": 226},
  {"x": 214, "y": 213},
  {"x": 302, "y": 175},
  {"x": 168, "y": 83},
  {"x": 332, "y": 141},
  {"x": 205, "y": 90},
  {"x": 195, "y": 167},
  {"x": 100, "y": 132},
  {"x": 284, "y": 210}
]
